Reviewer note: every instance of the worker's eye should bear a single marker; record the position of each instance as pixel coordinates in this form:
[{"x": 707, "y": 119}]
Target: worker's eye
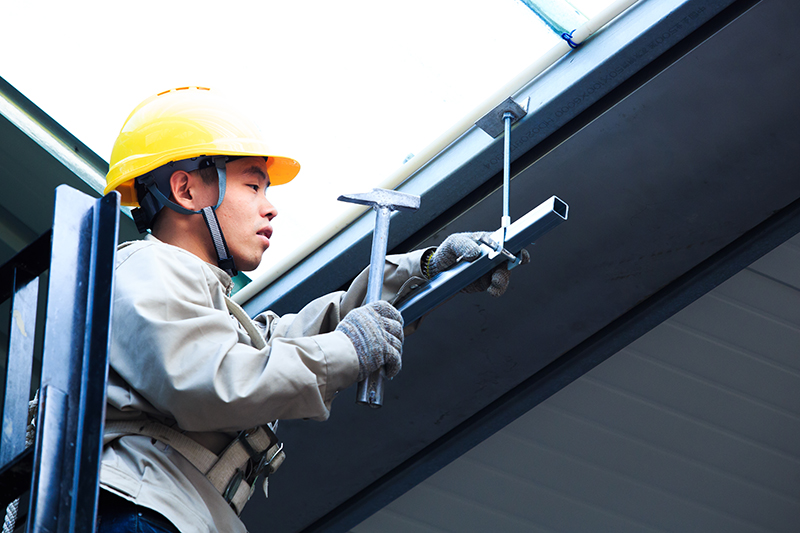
[{"x": 255, "y": 187}]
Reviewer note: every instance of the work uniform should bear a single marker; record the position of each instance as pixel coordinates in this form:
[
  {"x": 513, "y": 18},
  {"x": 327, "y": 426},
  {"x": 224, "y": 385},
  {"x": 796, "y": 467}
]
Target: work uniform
[{"x": 178, "y": 356}]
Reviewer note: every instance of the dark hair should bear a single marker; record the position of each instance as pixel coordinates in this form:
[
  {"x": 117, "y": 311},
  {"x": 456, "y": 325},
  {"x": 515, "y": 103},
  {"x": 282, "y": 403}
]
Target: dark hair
[{"x": 208, "y": 175}]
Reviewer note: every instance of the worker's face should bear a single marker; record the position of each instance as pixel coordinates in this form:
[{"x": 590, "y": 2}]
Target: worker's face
[{"x": 245, "y": 212}]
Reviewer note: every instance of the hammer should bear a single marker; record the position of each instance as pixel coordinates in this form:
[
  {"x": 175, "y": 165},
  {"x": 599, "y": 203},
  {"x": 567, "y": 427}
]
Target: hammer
[{"x": 383, "y": 201}]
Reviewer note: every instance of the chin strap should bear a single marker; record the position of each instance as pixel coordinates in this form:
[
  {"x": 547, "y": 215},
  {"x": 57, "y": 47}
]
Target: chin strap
[{"x": 224, "y": 258}]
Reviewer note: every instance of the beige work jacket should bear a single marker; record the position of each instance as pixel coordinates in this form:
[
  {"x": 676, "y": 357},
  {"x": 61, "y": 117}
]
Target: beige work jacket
[{"x": 178, "y": 355}]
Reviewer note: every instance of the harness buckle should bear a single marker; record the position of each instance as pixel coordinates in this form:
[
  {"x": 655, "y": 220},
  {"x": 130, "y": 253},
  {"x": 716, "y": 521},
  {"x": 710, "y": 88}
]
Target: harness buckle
[
  {"x": 267, "y": 463},
  {"x": 258, "y": 463},
  {"x": 233, "y": 486}
]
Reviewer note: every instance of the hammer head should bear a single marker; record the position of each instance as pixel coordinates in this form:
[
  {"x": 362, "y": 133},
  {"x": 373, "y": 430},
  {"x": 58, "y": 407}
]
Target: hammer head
[{"x": 384, "y": 198}]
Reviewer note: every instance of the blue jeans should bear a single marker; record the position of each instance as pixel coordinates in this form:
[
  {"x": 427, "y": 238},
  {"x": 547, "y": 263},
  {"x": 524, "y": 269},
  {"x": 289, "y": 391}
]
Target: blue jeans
[
  {"x": 117, "y": 515},
  {"x": 129, "y": 523}
]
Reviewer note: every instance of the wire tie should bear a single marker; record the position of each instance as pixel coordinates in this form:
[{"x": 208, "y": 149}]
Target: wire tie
[{"x": 568, "y": 37}]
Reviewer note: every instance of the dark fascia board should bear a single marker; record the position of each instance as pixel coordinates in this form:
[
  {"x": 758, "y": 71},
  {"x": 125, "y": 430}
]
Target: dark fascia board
[{"x": 463, "y": 170}]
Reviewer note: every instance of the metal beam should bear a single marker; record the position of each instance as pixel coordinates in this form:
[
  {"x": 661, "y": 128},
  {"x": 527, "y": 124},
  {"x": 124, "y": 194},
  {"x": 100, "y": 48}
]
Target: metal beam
[
  {"x": 521, "y": 233},
  {"x": 51, "y": 136}
]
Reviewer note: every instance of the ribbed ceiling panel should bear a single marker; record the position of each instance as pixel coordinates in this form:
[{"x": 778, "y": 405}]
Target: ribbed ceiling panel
[{"x": 693, "y": 427}]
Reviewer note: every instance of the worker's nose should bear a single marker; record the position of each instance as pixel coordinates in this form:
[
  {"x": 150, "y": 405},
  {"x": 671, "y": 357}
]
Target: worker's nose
[{"x": 268, "y": 210}]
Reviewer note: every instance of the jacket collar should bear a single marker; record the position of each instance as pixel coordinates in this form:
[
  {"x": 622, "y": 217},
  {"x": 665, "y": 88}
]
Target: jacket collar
[{"x": 221, "y": 275}]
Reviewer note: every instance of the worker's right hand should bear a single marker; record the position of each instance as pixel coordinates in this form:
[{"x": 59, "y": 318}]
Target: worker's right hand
[
  {"x": 376, "y": 331},
  {"x": 457, "y": 247}
]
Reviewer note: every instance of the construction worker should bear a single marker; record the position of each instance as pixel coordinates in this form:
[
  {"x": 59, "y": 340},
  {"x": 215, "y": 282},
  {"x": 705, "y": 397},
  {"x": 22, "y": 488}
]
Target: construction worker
[{"x": 196, "y": 386}]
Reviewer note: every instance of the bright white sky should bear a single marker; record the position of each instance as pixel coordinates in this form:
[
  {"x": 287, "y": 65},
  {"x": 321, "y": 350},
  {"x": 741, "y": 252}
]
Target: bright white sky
[{"x": 348, "y": 88}]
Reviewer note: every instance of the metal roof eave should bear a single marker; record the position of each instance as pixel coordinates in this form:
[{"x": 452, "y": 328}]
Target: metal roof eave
[
  {"x": 703, "y": 202},
  {"x": 52, "y": 137},
  {"x": 46, "y": 154},
  {"x": 464, "y": 168}
]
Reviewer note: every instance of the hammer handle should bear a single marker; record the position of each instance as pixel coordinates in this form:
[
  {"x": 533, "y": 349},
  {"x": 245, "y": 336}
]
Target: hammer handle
[{"x": 370, "y": 391}]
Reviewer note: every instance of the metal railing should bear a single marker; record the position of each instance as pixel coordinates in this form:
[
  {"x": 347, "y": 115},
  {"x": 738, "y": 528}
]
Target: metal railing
[{"x": 60, "y": 470}]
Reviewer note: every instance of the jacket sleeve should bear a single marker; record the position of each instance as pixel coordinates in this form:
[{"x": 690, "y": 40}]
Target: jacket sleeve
[
  {"x": 177, "y": 347},
  {"x": 402, "y": 275}
]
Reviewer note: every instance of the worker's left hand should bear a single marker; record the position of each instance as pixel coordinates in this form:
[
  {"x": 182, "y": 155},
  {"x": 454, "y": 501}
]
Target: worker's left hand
[{"x": 465, "y": 247}]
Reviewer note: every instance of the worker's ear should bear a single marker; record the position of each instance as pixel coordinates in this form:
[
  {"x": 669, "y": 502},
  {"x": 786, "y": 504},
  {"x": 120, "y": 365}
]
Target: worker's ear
[{"x": 188, "y": 190}]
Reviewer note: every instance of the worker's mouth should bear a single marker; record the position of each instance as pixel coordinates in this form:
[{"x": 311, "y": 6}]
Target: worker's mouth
[{"x": 266, "y": 233}]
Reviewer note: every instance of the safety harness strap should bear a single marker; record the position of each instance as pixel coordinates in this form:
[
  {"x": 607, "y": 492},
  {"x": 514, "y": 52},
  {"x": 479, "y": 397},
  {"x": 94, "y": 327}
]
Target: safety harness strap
[
  {"x": 201, "y": 457},
  {"x": 232, "y": 473},
  {"x": 241, "y": 316}
]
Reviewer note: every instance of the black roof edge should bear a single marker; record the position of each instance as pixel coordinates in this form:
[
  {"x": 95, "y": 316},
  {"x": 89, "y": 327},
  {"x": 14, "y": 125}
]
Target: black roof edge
[{"x": 11, "y": 94}]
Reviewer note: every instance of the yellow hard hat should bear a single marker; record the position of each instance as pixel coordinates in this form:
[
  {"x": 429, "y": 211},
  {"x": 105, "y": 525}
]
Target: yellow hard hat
[{"x": 186, "y": 123}]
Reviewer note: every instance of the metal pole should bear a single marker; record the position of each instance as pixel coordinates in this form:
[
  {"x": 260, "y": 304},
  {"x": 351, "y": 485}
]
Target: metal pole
[
  {"x": 370, "y": 391},
  {"x": 506, "y": 220}
]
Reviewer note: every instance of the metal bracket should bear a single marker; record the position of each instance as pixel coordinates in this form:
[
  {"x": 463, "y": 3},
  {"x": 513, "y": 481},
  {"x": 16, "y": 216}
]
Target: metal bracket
[
  {"x": 493, "y": 122},
  {"x": 497, "y": 248},
  {"x": 521, "y": 233}
]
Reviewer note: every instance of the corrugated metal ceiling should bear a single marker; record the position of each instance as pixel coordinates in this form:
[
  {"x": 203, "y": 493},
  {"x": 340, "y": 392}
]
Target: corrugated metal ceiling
[{"x": 693, "y": 427}]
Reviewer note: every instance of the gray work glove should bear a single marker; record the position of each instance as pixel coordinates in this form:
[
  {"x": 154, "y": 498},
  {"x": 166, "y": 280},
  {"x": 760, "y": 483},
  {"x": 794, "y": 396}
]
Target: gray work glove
[
  {"x": 465, "y": 246},
  {"x": 376, "y": 331}
]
